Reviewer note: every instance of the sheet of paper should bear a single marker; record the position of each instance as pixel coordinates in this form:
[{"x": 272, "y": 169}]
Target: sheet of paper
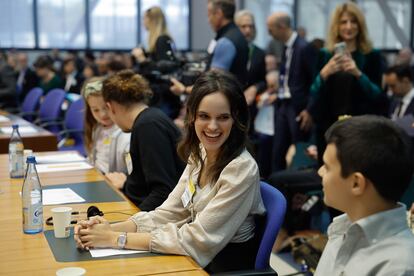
[
  {"x": 4, "y": 118},
  {"x": 263, "y": 122},
  {"x": 60, "y": 196},
  {"x": 22, "y": 130},
  {"x": 104, "y": 252},
  {"x": 60, "y": 167},
  {"x": 57, "y": 158}
]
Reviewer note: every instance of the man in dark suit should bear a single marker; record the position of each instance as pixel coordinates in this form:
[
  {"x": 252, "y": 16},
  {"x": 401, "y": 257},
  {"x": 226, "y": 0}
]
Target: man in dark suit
[
  {"x": 256, "y": 65},
  {"x": 292, "y": 120},
  {"x": 399, "y": 79},
  {"x": 26, "y": 76}
]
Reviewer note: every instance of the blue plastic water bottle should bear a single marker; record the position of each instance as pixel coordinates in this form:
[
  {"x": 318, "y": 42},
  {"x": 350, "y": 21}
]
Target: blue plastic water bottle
[
  {"x": 16, "y": 162},
  {"x": 32, "y": 199}
]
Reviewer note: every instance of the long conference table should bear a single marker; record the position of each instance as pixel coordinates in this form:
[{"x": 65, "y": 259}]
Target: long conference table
[
  {"x": 23, "y": 254},
  {"x": 39, "y": 140}
]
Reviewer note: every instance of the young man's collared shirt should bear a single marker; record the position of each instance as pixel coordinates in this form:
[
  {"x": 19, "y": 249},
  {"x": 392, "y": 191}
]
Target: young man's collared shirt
[{"x": 380, "y": 244}]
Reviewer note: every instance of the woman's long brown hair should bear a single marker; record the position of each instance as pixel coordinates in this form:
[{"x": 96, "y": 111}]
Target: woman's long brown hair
[{"x": 189, "y": 150}]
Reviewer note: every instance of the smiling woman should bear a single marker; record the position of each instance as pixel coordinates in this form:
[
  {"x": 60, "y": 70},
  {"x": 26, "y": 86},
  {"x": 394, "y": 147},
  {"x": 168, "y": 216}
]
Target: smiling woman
[
  {"x": 349, "y": 80},
  {"x": 210, "y": 215}
]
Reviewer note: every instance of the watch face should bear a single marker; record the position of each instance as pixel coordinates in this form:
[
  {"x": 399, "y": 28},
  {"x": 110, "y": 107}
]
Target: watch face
[{"x": 122, "y": 240}]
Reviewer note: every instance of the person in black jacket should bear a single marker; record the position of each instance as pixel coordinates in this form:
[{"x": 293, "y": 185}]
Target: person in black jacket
[
  {"x": 160, "y": 44},
  {"x": 156, "y": 166},
  {"x": 159, "y": 57},
  {"x": 228, "y": 51},
  {"x": 26, "y": 78},
  {"x": 73, "y": 79},
  {"x": 8, "y": 96}
]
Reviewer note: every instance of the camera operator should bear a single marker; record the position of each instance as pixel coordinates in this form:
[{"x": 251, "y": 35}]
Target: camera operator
[
  {"x": 228, "y": 51},
  {"x": 158, "y": 62}
]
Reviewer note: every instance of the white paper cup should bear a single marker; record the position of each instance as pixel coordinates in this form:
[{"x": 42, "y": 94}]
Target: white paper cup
[
  {"x": 61, "y": 221},
  {"x": 71, "y": 271}
]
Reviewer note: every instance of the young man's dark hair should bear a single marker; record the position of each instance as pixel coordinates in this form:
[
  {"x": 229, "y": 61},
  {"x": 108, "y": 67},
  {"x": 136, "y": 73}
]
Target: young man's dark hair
[
  {"x": 402, "y": 71},
  {"x": 377, "y": 148}
]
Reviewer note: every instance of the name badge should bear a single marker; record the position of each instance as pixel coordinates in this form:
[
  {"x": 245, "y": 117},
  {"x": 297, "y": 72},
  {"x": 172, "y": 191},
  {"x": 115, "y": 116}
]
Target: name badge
[
  {"x": 188, "y": 193},
  {"x": 107, "y": 141},
  {"x": 128, "y": 162}
]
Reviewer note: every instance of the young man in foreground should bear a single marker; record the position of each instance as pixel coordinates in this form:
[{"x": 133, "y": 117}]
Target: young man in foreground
[{"x": 367, "y": 167}]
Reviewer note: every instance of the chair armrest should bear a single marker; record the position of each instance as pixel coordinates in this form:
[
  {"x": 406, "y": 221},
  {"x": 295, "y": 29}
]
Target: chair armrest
[
  {"x": 65, "y": 135},
  {"x": 28, "y": 113},
  {"x": 67, "y": 132},
  {"x": 48, "y": 119},
  {"x": 262, "y": 272},
  {"x": 49, "y": 123},
  {"x": 13, "y": 110}
]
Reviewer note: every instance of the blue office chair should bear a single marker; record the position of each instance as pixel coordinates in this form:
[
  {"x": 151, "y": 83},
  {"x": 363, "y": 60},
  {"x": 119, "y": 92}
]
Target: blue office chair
[
  {"x": 73, "y": 128},
  {"x": 50, "y": 110},
  {"x": 275, "y": 204},
  {"x": 28, "y": 109}
]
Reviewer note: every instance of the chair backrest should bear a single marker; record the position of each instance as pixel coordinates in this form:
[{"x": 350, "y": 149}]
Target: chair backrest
[
  {"x": 74, "y": 118},
  {"x": 31, "y": 102},
  {"x": 275, "y": 204},
  {"x": 51, "y": 106}
]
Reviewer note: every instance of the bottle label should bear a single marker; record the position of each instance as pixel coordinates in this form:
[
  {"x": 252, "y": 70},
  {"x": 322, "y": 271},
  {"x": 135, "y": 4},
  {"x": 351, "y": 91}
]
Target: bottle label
[
  {"x": 15, "y": 147},
  {"x": 32, "y": 211},
  {"x": 33, "y": 217},
  {"x": 16, "y": 162}
]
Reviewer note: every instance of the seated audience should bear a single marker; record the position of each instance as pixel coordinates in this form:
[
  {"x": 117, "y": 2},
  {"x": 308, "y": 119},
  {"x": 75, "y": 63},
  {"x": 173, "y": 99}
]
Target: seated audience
[
  {"x": 90, "y": 70},
  {"x": 210, "y": 214},
  {"x": 8, "y": 95},
  {"x": 368, "y": 164},
  {"x": 48, "y": 77},
  {"x": 26, "y": 78},
  {"x": 73, "y": 80}
]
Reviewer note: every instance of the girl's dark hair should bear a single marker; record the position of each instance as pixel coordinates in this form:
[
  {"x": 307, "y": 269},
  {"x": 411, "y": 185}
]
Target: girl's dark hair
[{"x": 189, "y": 150}]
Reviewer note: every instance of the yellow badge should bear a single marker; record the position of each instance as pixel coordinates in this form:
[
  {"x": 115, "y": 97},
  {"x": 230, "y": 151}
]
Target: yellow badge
[
  {"x": 191, "y": 187},
  {"x": 107, "y": 141}
]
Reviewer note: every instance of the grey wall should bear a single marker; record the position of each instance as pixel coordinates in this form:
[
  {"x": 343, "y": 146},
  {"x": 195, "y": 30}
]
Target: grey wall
[{"x": 201, "y": 33}]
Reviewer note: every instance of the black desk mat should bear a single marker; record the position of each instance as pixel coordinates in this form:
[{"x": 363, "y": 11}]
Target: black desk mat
[
  {"x": 98, "y": 191},
  {"x": 64, "y": 250}
]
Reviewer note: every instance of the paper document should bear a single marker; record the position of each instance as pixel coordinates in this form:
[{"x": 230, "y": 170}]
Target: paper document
[
  {"x": 58, "y": 158},
  {"x": 4, "y": 118},
  {"x": 264, "y": 121},
  {"x": 59, "y": 167},
  {"x": 104, "y": 252},
  {"x": 60, "y": 196},
  {"x": 22, "y": 130}
]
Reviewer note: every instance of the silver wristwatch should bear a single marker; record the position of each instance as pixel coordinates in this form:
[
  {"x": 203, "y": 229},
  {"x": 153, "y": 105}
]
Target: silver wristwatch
[{"x": 122, "y": 240}]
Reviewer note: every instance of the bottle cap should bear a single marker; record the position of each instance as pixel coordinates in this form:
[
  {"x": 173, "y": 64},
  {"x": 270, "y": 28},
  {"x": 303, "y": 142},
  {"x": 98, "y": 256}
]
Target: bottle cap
[
  {"x": 31, "y": 159},
  {"x": 15, "y": 126}
]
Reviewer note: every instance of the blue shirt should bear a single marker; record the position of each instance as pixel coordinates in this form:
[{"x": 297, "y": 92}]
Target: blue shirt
[
  {"x": 380, "y": 244},
  {"x": 223, "y": 55}
]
